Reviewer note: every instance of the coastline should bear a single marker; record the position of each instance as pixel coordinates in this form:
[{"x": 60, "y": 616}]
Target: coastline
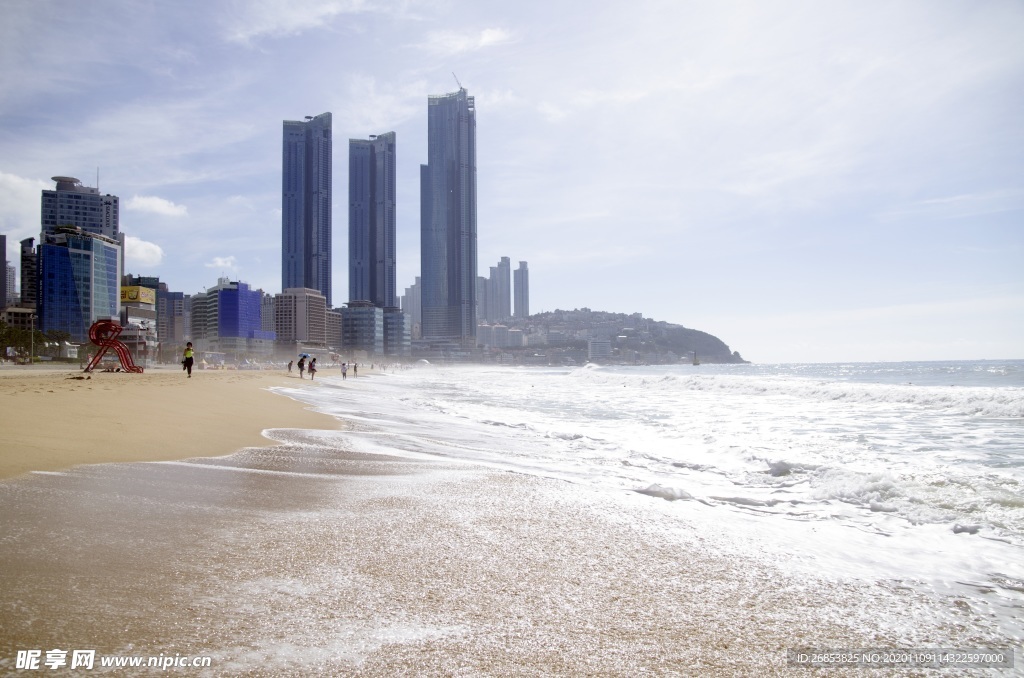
[
  {"x": 310, "y": 556},
  {"x": 58, "y": 417}
]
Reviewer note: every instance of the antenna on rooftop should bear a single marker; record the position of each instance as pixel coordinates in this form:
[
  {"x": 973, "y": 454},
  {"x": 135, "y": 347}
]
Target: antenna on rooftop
[{"x": 457, "y": 80}]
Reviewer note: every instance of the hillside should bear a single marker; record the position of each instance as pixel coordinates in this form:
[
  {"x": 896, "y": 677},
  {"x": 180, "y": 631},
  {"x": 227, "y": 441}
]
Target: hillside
[{"x": 644, "y": 335}]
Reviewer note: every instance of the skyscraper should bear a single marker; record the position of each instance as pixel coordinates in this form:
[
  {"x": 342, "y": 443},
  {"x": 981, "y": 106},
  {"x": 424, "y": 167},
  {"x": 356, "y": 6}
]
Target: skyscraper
[
  {"x": 371, "y": 220},
  {"x": 306, "y": 205},
  {"x": 12, "y": 298},
  {"x": 483, "y": 313},
  {"x": 448, "y": 229},
  {"x": 503, "y": 291},
  {"x": 521, "y": 282},
  {"x": 411, "y": 307},
  {"x": 72, "y": 204},
  {"x": 491, "y": 313},
  {"x": 78, "y": 281},
  {"x": 494, "y": 293},
  {"x": 4, "y": 282},
  {"x": 29, "y": 293}
]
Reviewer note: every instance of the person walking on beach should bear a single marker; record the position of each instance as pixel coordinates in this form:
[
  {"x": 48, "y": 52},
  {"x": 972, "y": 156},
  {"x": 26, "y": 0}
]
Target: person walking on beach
[
  {"x": 344, "y": 371},
  {"x": 302, "y": 366},
  {"x": 290, "y": 363},
  {"x": 187, "y": 360},
  {"x": 312, "y": 368},
  {"x": 355, "y": 369}
]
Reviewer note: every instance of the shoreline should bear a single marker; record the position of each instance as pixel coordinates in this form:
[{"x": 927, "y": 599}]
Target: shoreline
[
  {"x": 412, "y": 568},
  {"x": 57, "y": 417},
  {"x": 311, "y": 557}
]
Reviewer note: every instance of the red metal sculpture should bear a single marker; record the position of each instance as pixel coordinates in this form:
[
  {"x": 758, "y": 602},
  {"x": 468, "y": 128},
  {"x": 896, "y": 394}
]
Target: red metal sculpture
[{"x": 104, "y": 334}]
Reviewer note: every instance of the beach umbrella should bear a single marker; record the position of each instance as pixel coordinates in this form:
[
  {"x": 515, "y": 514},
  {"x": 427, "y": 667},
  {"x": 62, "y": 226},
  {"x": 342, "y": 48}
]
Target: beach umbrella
[{"x": 303, "y": 355}]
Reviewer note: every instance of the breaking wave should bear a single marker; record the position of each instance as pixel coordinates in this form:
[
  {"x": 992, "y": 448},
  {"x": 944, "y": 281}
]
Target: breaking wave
[{"x": 969, "y": 400}]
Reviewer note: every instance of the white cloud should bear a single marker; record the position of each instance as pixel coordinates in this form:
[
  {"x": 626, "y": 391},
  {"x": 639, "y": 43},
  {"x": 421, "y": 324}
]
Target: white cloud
[
  {"x": 450, "y": 42},
  {"x": 771, "y": 173},
  {"x": 256, "y": 18},
  {"x": 141, "y": 254},
  {"x": 155, "y": 205},
  {"x": 248, "y": 20},
  {"x": 241, "y": 201},
  {"x": 378, "y": 108},
  {"x": 574, "y": 102},
  {"x": 19, "y": 209},
  {"x": 552, "y": 112},
  {"x": 959, "y": 206},
  {"x": 494, "y": 36},
  {"x": 223, "y": 263},
  {"x": 493, "y": 99}
]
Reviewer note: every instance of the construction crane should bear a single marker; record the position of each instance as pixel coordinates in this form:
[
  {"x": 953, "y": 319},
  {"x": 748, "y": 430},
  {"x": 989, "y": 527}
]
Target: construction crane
[{"x": 457, "y": 80}]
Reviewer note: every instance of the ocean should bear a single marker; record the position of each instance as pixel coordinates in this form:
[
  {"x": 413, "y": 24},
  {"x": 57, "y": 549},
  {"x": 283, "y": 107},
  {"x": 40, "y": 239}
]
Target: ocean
[{"x": 905, "y": 472}]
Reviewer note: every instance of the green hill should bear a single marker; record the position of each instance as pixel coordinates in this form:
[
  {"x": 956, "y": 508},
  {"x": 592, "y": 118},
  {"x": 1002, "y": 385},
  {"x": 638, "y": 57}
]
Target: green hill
[{"x": 645, "y": 335}]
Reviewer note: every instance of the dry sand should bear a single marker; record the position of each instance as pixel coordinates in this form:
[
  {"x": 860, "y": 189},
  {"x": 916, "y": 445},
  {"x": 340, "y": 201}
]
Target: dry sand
[{"x": 55, "y": 418}]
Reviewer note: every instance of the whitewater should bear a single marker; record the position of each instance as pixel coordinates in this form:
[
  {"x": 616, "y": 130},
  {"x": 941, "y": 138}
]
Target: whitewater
[{"x": 904, "y": 472}]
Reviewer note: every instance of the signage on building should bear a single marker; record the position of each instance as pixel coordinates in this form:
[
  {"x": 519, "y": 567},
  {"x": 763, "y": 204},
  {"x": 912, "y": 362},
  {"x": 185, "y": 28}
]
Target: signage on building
[{"x": 138, "y": 295}]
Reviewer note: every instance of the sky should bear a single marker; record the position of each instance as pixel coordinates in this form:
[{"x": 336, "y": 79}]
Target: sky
[{"x": 809, "y": 181}]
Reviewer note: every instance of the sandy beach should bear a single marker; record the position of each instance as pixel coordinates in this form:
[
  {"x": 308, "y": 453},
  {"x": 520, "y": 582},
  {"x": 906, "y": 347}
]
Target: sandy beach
[{"x": 57, "y": 417}]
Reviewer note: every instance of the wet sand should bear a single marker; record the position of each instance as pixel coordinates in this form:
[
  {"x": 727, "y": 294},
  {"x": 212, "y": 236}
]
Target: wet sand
[
  {"x": 55, "y": 418},
  {"x": 304, "y": 558}
]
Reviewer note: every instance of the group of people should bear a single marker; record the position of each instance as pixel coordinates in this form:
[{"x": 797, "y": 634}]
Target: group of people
[
  {"x": 303, "y": 367},
  {"x": 187, "y": 361},
  {"x": 311, "y": 368}
]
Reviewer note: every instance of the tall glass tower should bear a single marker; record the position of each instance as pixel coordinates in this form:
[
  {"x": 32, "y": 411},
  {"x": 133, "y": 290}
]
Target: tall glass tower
[
  {"x": 521, "y": 282},
  {"x": 448, "y": 219},
  {"x": 78, "y": 281},
  {"x": 371, "y": 220},
  {"x": 306, "y": 205}
]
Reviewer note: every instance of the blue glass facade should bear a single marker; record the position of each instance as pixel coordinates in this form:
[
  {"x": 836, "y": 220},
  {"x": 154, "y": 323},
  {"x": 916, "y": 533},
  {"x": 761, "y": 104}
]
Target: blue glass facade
[
  {"x": 397, "y": 332},
  {"x": 372, "y": 220},
  {"x": 362, "y": 328},
  {"x": 239, "y": 313},
  {"x": 78, "y": 282},
  {"x": 306, "y": 205},
  {"x": 448, "y": 220}
]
